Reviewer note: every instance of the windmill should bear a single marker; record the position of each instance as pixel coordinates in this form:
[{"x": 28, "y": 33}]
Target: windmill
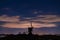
[{"x": 30, "y": 28}]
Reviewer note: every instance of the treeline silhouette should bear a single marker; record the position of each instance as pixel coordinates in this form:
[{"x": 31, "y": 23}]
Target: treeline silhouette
[{"x": 29, "y": 37}]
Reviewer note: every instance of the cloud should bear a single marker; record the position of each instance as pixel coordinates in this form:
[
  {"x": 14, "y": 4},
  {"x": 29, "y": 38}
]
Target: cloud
[
  {"x": 47, "y": 30},
  {"x": 4, "y": 30},
  {"x": 26, "y": 24},
  {"x": 37, "y": 22},
  {"x": 5, "y": 8},
  {"x": 6, "y": 18},
  {"x": 47, "y": 18}
]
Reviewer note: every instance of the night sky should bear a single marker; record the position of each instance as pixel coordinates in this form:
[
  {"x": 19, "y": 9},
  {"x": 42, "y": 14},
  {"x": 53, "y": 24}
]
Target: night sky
[{"x": 16, "y": 15}]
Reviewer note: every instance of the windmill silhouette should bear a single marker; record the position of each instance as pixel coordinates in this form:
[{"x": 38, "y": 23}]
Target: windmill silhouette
[{"x": 30, "y": 29}]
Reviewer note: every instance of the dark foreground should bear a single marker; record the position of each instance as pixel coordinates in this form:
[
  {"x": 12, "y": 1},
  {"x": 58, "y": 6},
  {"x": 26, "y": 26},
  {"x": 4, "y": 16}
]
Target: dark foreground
[{"x": 30, "y": 37}]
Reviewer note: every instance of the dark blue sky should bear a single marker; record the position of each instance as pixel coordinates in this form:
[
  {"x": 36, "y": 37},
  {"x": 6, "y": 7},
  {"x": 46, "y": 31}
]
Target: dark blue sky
[{"x": 26, "y": 7}]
